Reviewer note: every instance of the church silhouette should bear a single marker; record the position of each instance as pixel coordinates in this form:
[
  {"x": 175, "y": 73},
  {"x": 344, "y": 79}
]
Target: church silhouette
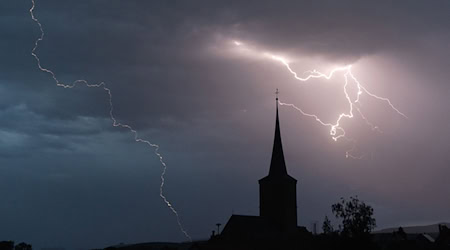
[{"x": 277, "y": 220}]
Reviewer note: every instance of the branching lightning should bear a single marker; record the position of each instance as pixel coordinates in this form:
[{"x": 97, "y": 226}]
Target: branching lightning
[
  {"x": 115, "y": 123},
  {"x": 336, "y": 130}
]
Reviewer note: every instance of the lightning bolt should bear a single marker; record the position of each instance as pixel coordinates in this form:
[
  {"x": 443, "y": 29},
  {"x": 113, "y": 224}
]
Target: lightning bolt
[
  {"x": 336, "y": 130},
  {"x": 115, "y": 123}
]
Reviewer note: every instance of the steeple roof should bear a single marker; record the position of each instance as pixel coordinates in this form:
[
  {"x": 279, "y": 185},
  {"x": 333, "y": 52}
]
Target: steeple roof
[{"x": 277, "y": 164}]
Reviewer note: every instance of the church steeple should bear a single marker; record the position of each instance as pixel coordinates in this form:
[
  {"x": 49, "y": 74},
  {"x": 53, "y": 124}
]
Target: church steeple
[
  {"x": 277, "y": 164},
  {"x": 277, "y": 191}
]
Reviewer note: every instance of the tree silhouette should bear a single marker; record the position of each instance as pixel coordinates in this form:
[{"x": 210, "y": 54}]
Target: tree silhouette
[
  {"x": 357, "y": 220},
  {"x": 327, "y": 227}
]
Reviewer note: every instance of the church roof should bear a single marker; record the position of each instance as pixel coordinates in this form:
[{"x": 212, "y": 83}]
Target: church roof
[
  {"x": 247, "y": 228},
  {"x": 239, "y": 224},
  {"x": 252, "y": 228}
]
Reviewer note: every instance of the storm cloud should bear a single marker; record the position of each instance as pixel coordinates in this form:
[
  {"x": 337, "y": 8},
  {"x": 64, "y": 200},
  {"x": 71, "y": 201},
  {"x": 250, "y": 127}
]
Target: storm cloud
[{"x": 76, "y": 181}]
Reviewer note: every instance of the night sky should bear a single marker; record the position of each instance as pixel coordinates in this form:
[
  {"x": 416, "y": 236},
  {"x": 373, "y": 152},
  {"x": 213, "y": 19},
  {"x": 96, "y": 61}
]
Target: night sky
[{"x": 68, "y": 178}]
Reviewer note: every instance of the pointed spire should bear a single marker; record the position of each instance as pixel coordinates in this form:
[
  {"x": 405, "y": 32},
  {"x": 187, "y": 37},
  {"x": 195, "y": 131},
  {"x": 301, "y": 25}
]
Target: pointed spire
[{"x": 277, "y": 164}]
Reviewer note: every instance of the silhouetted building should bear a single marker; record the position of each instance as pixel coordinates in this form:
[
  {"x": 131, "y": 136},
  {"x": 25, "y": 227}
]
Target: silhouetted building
[
  {"x": 443, "y": 240},
  {"x": 277, "y": 223},
  {"x": 6, "y": 245}
]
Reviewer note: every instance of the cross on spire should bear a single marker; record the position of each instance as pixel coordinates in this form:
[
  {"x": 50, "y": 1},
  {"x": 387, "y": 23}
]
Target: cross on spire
[{"x": 276, "y": 93}]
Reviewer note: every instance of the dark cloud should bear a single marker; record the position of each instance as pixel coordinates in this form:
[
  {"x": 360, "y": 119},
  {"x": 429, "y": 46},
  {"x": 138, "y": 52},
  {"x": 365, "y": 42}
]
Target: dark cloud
[{"x": 173, "y": 79}]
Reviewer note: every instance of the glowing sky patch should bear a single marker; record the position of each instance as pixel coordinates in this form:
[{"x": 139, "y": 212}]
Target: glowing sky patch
[{"x": 336, "y": 130}]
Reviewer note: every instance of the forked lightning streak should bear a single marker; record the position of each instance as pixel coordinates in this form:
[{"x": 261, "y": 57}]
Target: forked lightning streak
[
  {"x": 336, "y": 130},
  {"x": 115, "y": 123}
]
